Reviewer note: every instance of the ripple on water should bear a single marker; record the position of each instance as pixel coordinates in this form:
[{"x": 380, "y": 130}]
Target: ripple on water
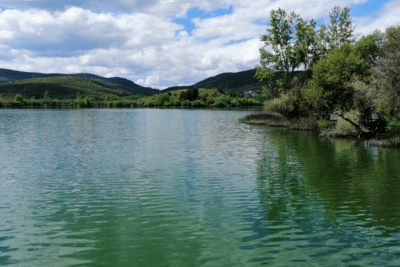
[{"x": 189, "y": 187}]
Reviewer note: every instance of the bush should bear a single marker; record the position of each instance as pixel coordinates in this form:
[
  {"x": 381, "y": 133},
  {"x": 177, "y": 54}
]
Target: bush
[
  {"x": 161, "y": 99},
  {"x": 279, "y": 105},
  {"x": 344, "y": 127},
  {"x": 289, "y": 105},
  {"x": 111, "y": 97},
  {"x": 198, "y": 104},
  {"x": 176, "y": 103},
  {"x": 325, "y": 124},
  {"x": 222, "y": 101},
  {"x": 186, "y": 103},
  {"x": 261, "y": 98},
  {"x": 167, "y": 104},
  {"x": 394, "y": 125},
  {"x": 18, "y": 98},
  {"x": 190, "y": 94}
]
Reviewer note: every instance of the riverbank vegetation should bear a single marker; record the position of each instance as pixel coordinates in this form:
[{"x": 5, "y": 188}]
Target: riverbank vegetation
[
  {"x": 187, "y": 98},
  {"x": 353, "y": 78}
]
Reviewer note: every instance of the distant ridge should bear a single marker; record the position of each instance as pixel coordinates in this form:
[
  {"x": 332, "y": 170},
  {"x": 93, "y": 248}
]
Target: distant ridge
[
  {"x": 233, "y": 81},
  {"x": 7, "y": 75}
]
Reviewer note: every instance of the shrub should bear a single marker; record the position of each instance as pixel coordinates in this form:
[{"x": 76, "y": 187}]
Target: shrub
[
  {"x": 161, "y": 99},
  {"x": 190, "y": 94},
  {"x": 198, "y": 104},
  {"x": 325, "y": 124},
  {"x": 394, "y": 125},
  {"x": 344, "y": 127},
  {"x": 111, "y": 97},
  {"x": 261, "y": 98},
  {"x": 279, "y": 105},
  {"x": 222, "y": 101},
  {"x": 167, "y": 104},
  {"x": 18, "y": 98},
  {"x": 186, "y": 103}
]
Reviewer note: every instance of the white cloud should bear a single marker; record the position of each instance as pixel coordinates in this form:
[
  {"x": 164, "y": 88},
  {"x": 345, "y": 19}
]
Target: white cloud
[
  {"x": 386, "y": 17},
  {"x": 141, "y": 43}
]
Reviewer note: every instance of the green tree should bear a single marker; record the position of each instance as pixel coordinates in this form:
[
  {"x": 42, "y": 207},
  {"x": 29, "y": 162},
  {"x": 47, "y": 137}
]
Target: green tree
[
  {"x": 189, "y": 94},
  {"x": 332, "y": 74},
  {"x": 18, "y": 98},
  {"x": 340, "y": 30},
  {"x": 285, "y": 56},
  {"x": 296, "y": 43},
  {"x": 380, "y": 92},
  {"x": 46, "y": 95}
]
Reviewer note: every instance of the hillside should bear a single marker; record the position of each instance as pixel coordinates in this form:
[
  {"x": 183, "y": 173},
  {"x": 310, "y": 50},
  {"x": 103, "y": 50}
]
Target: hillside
[
  {"x": 233, "y": 81},
  {"x": 238, "y": 82},
  {"x": 7, "y": 75},
  {"x": 61, "y": 87}
]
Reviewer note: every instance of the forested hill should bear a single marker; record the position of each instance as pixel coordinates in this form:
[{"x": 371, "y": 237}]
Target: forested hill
[
  {"x": 7, "y": 75},
  {"x": 234, "y": 81}
]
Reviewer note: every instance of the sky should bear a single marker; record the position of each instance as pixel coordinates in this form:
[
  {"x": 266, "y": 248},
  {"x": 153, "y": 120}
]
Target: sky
[{"x": 157, "y": 43}]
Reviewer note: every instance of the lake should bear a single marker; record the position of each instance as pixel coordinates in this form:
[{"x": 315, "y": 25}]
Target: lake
[{"x": 166, "y": 187}]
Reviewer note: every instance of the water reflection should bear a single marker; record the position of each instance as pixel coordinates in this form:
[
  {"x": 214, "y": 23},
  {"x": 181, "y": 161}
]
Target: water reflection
[{"x": 327, "y": 201}]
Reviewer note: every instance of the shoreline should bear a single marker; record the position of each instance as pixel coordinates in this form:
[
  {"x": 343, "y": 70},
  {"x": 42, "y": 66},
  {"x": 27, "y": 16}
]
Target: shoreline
[{"x": 305, "y": 124}]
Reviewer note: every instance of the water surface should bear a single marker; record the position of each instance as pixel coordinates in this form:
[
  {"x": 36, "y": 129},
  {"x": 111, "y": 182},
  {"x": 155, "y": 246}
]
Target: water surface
[{"x": 149, "y": 187}]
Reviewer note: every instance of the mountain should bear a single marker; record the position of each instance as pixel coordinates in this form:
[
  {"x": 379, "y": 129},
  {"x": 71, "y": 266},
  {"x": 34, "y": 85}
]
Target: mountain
[
  {"x": 233, "y": 81},
  {"x": 123, "y": 84},
  {"x": 61, "y": 87}
]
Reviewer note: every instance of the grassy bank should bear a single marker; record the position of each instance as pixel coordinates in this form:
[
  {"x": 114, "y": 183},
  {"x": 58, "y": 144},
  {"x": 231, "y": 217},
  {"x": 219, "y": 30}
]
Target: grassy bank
[
  {"x": 276, "y": 120},
  {"x": 325, "y": 129}
]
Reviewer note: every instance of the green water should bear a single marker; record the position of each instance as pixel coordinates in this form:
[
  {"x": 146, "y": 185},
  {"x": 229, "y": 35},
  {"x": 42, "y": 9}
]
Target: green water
[{"x": 148, "y": 187}]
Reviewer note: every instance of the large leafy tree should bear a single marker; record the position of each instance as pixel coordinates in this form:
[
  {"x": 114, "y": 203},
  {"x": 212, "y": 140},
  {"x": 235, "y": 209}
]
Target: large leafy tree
[
  {"x": 290, "y": 38},
  {"x": 292, "y": 42},
  {"x": 331, "y": 77},
  {"x": 380, "y": 91},
  {"x": 340, "y": 30}
]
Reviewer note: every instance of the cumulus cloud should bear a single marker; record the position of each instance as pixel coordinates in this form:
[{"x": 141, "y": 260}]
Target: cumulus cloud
[
  {"x": 380, "y": 20},
  {"x": 138, "y": 40}
]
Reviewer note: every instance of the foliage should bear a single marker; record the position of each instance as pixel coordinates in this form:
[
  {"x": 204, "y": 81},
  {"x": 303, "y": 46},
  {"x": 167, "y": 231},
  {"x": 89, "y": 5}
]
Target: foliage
[
  {"x": 339, "y": 31},
  {"x": 61, "y": 87},
  {"x": 46, "y": 95},
  {"x": 326, "y": 124},
  {"x": 290, "y": 38},
  {"x": 334, "y": 72},
  {"x": 344, "y": 127},
  {"x": 261, "y": 98},
  {"x": 369, "y": 48},
  {"x": 288, "y": 105},
  {"x": 190, "y": 94},
  {"x": 18, "y": 98},
  {"x": 111, "y": 97},
  {"x": 312, "y": 94},
  {"x": 161, "y": 99},
  {"x": 380, "y": 91},
  {"x": 295, "y": 42},
  {"x": 394, "y": 124}
]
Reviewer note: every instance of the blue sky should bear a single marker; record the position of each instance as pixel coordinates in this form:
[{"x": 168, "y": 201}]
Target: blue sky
[{"x": 156, "y": 43}]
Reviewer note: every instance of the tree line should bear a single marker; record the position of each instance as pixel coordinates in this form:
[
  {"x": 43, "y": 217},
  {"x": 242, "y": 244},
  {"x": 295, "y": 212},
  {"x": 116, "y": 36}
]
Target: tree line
[{"x": 342, "y": 72}]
